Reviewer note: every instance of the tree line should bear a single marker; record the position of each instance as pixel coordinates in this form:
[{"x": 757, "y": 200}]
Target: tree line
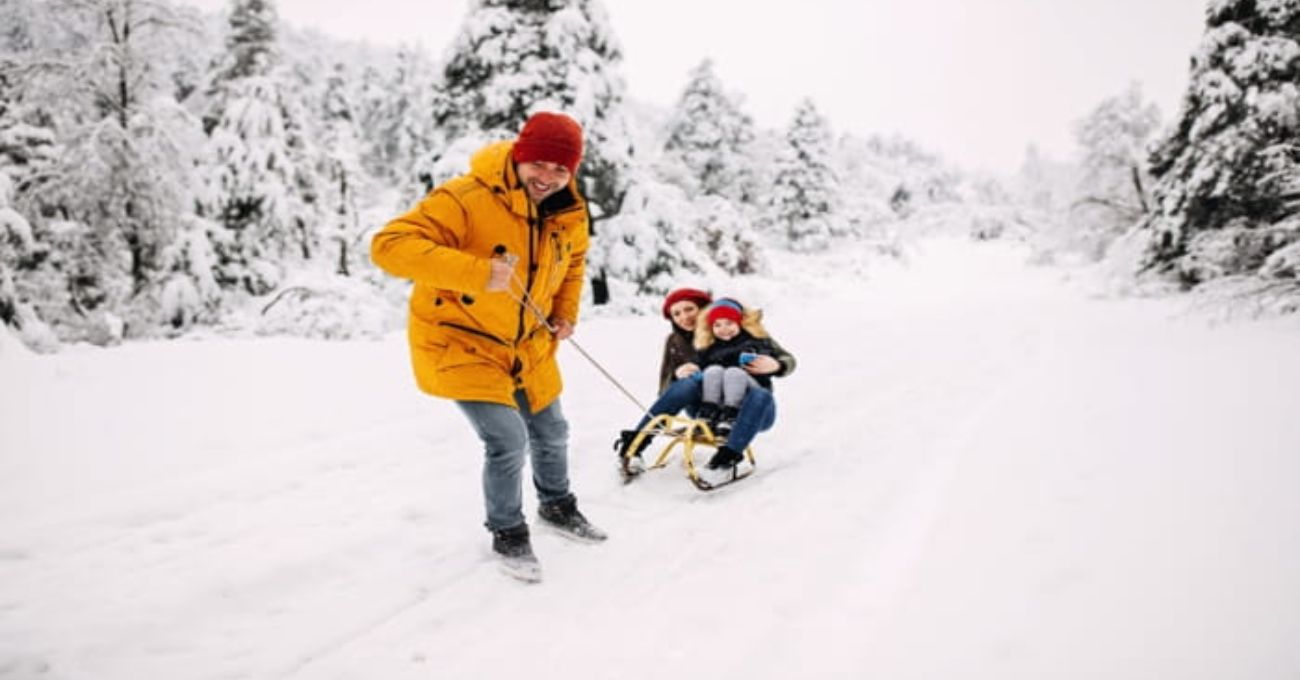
[{"x": 163, "y": 170}]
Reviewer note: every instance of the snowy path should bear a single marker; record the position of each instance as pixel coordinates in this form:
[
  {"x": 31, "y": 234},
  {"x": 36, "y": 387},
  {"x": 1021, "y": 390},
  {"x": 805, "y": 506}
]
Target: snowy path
[{"x": 977, "y": 472}]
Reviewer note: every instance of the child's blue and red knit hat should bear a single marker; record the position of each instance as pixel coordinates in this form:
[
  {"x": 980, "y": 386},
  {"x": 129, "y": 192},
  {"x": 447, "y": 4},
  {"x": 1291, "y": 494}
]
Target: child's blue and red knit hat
[{"x": 725, "y": 308}]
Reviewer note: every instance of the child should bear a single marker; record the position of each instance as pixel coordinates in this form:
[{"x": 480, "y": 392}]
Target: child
[{"x": 728, "y": 341}]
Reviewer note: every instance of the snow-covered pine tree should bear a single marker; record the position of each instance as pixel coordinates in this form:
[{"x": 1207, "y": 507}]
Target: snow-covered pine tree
[
  {"x": 515, "y": 57},
  {"x": 649, "y": 243},
  {"x": 874, "y": 186},
  {"x": 710, "y": 135},
  {"x": 344, "y": 180},
  {"x": 259, "y": 191},
  {"x": 726, "y": 234},
  {"x": 249, "y": 52},
  {"x": 395, "y": 109},
  {"x": 805, "y": 191},
  {"x": 25, "y": 151},
  {"x": 1222, "y": 174},
  {"x": 707, "y": 153},
  {"x": 16, "y": 245}
]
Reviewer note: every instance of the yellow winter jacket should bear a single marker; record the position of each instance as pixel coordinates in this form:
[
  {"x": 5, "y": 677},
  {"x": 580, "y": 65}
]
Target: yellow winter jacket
[{"x": 466, "y": 343}]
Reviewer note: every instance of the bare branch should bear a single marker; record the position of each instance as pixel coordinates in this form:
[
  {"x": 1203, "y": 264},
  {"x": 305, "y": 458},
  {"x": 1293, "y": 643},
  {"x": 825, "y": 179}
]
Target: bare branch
[
  {"x": 1129, "y": 211},
  {"x": 298, "y": 290}
]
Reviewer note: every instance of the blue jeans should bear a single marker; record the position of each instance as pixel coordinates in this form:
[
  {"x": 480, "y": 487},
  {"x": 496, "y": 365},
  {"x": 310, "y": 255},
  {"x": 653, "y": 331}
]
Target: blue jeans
[
  {"x": 757, "y": 411},
  {"x": 509, "y": 435}
]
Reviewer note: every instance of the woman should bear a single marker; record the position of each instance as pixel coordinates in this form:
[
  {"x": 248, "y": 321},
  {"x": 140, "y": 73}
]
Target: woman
[
  {"x": 682, "y": 308},
  {"x": 680, "y": 391}
]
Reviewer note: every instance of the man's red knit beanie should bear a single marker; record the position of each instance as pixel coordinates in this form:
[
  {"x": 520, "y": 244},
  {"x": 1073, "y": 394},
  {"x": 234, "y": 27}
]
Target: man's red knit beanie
[
  {"x": 699, "y": 297},
  {"x": 550, "y": 137}
]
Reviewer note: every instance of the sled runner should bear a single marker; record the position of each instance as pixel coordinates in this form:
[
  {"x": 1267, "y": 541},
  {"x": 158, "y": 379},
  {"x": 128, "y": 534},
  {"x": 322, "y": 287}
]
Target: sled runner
[{"x": 688, "y": 433}]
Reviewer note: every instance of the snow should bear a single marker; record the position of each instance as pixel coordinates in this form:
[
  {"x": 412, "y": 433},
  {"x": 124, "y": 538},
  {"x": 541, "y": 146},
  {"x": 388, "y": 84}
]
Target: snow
[{"x": 979, "y": 470}]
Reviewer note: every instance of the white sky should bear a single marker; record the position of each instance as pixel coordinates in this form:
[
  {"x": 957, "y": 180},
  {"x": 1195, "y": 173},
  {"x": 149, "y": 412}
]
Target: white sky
[{"x": 976, "y": 80}]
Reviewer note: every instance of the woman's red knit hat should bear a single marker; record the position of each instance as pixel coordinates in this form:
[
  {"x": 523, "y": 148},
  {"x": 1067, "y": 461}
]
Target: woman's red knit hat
[
  {"x": 550, "y": 137},
  {"x": 699, "y": 297}
]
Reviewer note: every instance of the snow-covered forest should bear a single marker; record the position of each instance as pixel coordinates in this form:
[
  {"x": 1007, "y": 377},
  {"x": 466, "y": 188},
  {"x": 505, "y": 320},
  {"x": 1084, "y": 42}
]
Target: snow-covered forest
[
  {"x": 1043, "y": 423},
  {"x": 165, "y": 172}
]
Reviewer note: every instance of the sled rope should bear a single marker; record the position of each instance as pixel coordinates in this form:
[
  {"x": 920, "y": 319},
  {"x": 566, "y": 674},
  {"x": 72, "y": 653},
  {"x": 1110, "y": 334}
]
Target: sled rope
[{"x": 526, "y": 300}]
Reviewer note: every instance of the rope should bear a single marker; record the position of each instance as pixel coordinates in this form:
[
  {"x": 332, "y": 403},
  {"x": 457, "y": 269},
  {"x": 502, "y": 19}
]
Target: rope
[{"x": 526, "y": 300}]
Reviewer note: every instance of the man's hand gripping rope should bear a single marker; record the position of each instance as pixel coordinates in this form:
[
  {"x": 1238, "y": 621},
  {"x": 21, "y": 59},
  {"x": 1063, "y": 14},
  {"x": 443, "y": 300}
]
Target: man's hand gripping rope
[{"x": 504, "y": 279}]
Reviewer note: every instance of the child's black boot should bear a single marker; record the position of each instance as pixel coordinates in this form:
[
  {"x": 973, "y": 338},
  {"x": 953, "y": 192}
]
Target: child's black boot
[
  {"x": 724, "y": 458},
  {"x": 726, "y": 420}
]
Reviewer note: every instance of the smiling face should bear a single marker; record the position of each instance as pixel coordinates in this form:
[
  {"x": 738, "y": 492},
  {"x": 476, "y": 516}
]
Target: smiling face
[
  {"x": 725, "y": 329},
  {"x": 684, "y": 314},
  {"x": 541, "y": 179}
]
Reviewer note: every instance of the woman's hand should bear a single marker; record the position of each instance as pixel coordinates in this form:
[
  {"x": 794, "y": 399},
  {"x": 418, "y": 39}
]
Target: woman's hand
[
  {"x": 686, "y": 370},
  {"x": 763, "y": 365}
]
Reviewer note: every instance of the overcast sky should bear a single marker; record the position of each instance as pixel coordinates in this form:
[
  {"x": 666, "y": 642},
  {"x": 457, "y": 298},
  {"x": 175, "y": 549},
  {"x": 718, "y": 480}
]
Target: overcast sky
[{"x": 975, "y": 80}]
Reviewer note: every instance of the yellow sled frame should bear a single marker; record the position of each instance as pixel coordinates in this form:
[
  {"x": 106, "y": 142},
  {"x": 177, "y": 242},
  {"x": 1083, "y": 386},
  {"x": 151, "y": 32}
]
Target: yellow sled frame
[{"x": 687, "y": 433}]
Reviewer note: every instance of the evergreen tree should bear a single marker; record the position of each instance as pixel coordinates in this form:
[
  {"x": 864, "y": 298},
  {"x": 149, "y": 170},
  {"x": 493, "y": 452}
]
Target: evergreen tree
[
  {"x": 341, "y": 171},
  {"x": 515, "y": 57},
  {"x": 648, "y": 243},
  {"x": 395, "y": 114},
  {"x": 120, "y": 216},
  {"x": 710, "y": 135},
  {"x": 26, "y": 154},
  {"x": 250, "y": 52},
  {"x": 1228, "y": 160},
  {"x": 15, "y": 246},
  {"x": 724, "y": 232},
  {"x": 261, "y": 190},
  {"x": 805, "y": 191}
]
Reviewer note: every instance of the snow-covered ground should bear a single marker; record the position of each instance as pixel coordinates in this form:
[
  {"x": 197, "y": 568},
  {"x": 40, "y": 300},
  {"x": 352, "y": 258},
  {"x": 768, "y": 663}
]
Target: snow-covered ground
[{"x": 978, "y": 471}]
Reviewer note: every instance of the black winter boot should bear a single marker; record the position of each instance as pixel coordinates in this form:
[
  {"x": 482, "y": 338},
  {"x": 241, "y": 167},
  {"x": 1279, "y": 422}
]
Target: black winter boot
[
  {"x": 625, "y": 439},
  {"x": 708, "y": 413},
  {"x": 726, "y": 419},
  {"x": 516, "y": 553},
  {"x": 563, "y": 516},
  {"x": 724, "y": 458}
]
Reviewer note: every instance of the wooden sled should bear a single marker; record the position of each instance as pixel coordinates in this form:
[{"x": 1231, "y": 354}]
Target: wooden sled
[{"x": 687, "y": 433}]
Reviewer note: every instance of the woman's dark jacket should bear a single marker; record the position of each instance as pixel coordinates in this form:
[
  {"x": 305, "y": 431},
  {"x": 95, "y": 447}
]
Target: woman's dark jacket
[{"x": 677, "y": 351}]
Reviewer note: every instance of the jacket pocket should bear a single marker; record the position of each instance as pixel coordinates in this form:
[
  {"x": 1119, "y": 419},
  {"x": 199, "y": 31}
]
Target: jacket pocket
[
  {"x": 455, "y": 356},
  {"x": 538, "y": 347}
]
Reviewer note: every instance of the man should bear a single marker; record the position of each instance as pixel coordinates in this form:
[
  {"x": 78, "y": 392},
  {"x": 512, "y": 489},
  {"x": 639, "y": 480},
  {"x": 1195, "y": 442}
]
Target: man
[{"x": 498, "y": 259}]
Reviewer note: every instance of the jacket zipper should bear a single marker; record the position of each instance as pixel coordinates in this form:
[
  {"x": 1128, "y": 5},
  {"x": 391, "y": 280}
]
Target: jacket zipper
[{"x": 527, "y": 292}]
